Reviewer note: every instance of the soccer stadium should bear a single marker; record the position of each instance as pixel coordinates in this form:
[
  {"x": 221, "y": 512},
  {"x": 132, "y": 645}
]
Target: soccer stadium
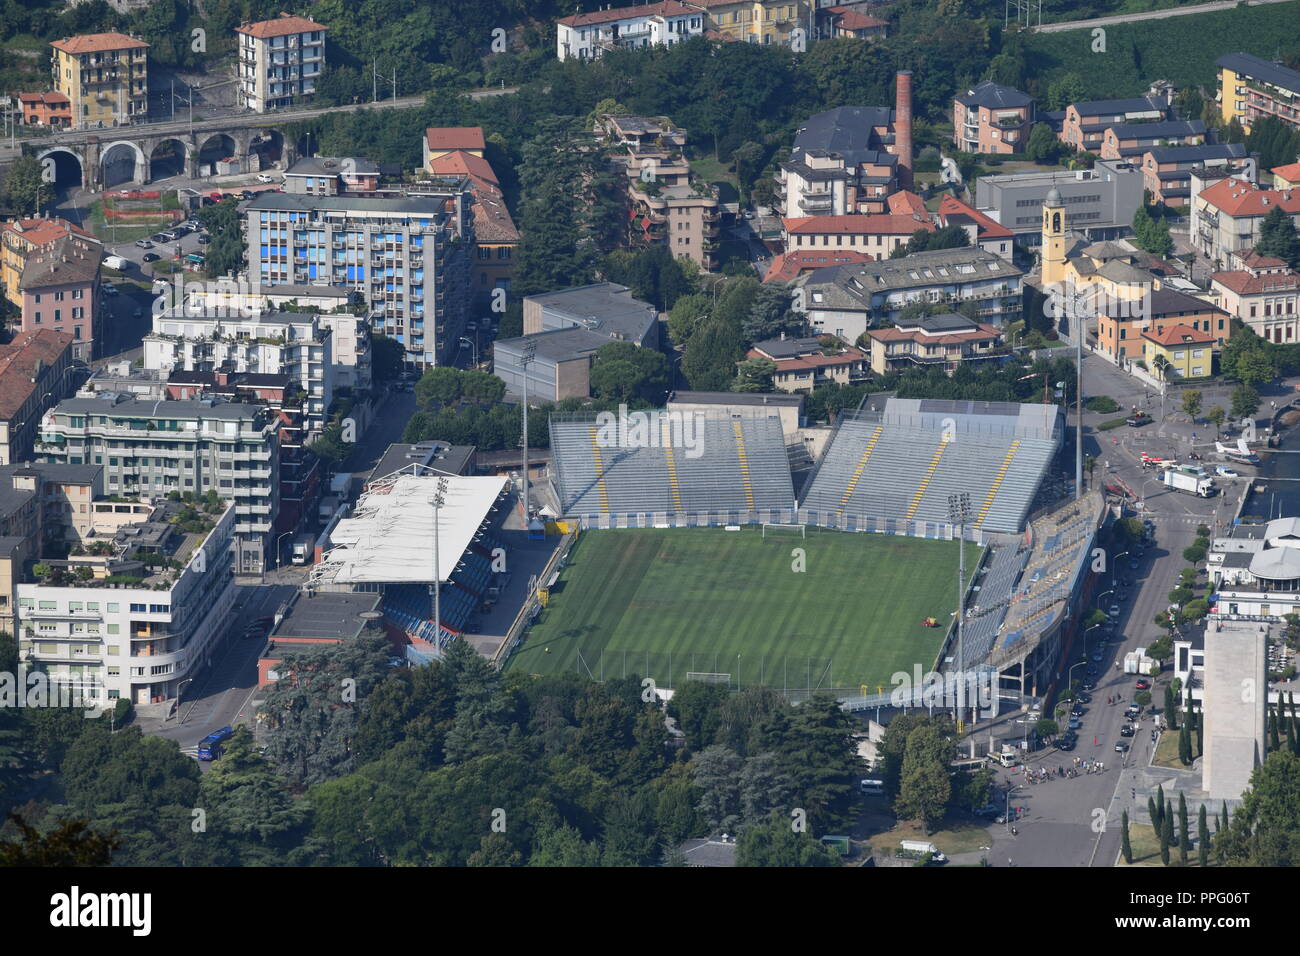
[
  {"x": 684, "y": 566},
  {"x": 387, "y": 545}
]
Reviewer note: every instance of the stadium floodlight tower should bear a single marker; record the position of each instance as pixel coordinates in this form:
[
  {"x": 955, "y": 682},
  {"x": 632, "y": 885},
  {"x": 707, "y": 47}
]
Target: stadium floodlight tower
[
  {"x": 959, "y": 514},
  {"x": 526, "y": 357},
  {"x": 439, "y": 499}
]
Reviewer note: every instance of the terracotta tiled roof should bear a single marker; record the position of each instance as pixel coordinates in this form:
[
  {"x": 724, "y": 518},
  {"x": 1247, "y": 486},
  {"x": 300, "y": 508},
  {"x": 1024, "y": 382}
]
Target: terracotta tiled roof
[
  {"x": 1179, "y": 335},
  {"x": 283, "y": 25},
  {"x": 1289, "y": 172},
  {"x": 460, "y": 163},
  {"x": 455, "y": 137},
  {"x": 1256, "y": 261},
  {"x": 98, "y": 43},
  {"x": 856, "y": 225},
  {"x": 852, "y": 20},
  {"x": 669, "y": 8},
  {"x": 39, "y": 232},
  {"x": 1235, "y": 197},
  {"x": 904, "y": 203},
  {"x": 805, "y": 363},
  {"x": 791, "y": 265},
  {"x": 53, "y": 99},
  {"x": 18, "y": 362},
  {"x": 1243, "y": 283},
  {"x": 492, "y": 220},
  {"x": 988, "y": 228}
]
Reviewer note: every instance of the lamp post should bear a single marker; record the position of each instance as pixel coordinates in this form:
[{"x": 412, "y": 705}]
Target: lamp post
[
  {"x": 180, "y": 692},
  {"x": 278, "y": 560},
  {"x": 438, "y": 500},
  {"x": 1114, "y": 566},
  {"x": 1102, "y": 595},
  {"x": 474, "y": 345},
  {"x": 525, "y": 359},
  {"x": 959, "y": 514}
]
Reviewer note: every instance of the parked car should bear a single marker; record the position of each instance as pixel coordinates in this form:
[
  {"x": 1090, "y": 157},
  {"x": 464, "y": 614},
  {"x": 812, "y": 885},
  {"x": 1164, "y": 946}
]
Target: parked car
[
  {"x": 265, "y": 178},
  {"x": 159, "y": 237},
  {"x": 247, "y": 194},
  {"x": 1075, "y": 723},
  {"x": 144, "y": 243},
  {"x": 1138, "y": 420},
  {"x": 1132, "y": 711},
  {"x": 1143, "y": 684},
  {"x": 110, "y": 289},
  {"x": 1127, "y": 730},
  {"x": 204, "y": 240},
  {"x": 150, "y": 257},
  {"x": 1195, "y": 456},
  {"x": 1096, "y": 656},
  {"x": 1121, "y": 746},
  {"x": 1083, "y": 698},
  {"x": 1223, "y": 471},
  {"x": 1089, "y": 684}
]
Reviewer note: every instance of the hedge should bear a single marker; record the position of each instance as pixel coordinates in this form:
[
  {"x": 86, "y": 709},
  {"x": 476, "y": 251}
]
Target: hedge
[{"x": 1113, "y": 423}]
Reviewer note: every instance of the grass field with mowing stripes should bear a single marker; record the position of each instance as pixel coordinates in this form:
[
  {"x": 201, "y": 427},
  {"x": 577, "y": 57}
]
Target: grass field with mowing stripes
[{"x": 662, "y": 602}]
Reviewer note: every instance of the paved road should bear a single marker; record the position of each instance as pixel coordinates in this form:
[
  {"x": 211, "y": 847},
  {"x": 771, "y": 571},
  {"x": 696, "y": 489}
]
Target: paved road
[
  {"x": 1153, "y": 15},
  {"x": 217, "y": 698}
]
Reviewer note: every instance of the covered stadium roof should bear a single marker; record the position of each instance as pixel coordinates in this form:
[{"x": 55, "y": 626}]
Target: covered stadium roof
[{"x": 390, "y": 536}]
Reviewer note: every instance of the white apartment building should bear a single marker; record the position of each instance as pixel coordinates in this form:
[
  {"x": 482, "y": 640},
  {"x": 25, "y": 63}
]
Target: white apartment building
[
  {"x": 156, "y": 447},
  {"x": 588, "y": 35},
  {"x": 279, "y": 62},
  {"x": 296, "y": 344},
  {"x": 109, "y": 640}
]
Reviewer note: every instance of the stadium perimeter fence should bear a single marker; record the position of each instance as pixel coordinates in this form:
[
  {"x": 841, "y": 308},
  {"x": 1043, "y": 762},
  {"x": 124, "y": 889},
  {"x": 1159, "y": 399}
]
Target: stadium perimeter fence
[{"x": 532, "y": 603}]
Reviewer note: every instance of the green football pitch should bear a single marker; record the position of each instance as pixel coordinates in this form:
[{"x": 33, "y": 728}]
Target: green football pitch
[{"x": 663, "y": 603}]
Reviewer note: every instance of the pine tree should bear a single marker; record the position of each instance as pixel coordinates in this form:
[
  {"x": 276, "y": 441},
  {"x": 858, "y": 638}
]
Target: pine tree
[
  {"x": 1124, "y": 846},
  {"x": 1184, "y": 837},
  {"x": 1202, "y": 838},
  {"x": 1166, "y": 838}
]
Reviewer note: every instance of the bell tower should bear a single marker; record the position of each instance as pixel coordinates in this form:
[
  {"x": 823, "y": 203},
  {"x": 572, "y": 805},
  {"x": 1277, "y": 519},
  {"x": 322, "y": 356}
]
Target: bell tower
[{"x": 1053, "y": 271}]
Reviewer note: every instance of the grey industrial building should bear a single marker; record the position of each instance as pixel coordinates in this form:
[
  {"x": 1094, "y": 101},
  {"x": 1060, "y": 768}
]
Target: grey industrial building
[
  {"x": 1100, "y": 202},
  {"x": 1233, "y": 701}
]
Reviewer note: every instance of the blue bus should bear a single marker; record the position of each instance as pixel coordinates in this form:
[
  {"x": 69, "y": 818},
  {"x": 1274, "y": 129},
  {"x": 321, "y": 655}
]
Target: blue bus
[{"x": 210, "y": 746}]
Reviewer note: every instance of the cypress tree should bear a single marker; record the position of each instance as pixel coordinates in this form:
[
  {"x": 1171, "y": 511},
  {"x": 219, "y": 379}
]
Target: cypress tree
[
  {"x": 1124, "y": 846},
  {"x": 1166, "y": 838},
  {"x": 1171, "y": 708},
  {"x": 1200, "y": 733},
  {"x": 1184, "y": 837},
  {"x": 1160, "y": 803},
  {"x": 1290, "y": 734},
  {"x": 1202, "y": 838},
  {"x": 1152, "y": 813},
  {"x": 1226, "y": 819},
  {"x": 1185, "y": 745},
  {"x": 1273, "y": 742}
]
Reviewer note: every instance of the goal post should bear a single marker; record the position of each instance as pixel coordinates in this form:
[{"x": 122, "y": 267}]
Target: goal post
[
  {"x": 774, "y": 530},
  {"x": 706, "y": 677}
]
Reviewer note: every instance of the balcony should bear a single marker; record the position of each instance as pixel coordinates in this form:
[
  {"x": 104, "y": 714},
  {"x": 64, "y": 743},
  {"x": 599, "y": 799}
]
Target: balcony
[
  {"x": 816, "y": 202},
  {"x": 1009, "y": 122}
]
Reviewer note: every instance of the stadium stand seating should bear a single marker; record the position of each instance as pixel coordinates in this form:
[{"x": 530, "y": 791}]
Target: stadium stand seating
[
  {"x": 742, "y": 467},
  {"x": 889, "y": 473},
  {"x": 410, "y": 606}
]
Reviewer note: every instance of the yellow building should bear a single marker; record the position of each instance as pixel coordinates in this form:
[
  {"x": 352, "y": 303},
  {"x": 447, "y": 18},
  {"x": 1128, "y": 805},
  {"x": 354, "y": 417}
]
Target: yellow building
[
  {"x": 1188, "y": 351},
  {"x": 1251, "y": 88},
  {"x": 105, "y": 76},
  {"x": 757, "y": 21}
]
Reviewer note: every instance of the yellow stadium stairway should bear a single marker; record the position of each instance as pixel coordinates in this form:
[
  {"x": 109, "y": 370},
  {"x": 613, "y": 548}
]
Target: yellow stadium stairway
[
  {"x": 744, "y": 466},
  {"x": 997, "y": 483},
  {"x": 667, "y": 444},
  {"x": 600, "y": 473},
  {"x": 862, "y": 464},
  {"x": 925, "y": 480}
]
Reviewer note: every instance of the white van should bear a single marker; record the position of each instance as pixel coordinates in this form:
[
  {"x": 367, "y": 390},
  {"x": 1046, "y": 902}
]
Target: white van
[
  {"x": 921, "y": 848},
  {"x": 871, "y": 785},
  {"x": 116, "y": 262}
]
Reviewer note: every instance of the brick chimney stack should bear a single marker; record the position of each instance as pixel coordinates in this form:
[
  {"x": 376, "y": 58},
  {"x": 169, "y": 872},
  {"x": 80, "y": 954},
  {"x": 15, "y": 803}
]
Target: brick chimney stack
[{"x": 903, "y": 128}]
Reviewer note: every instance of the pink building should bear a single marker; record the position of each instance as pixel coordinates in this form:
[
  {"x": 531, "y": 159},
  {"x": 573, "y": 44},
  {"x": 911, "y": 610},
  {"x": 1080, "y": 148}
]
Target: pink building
[{"x": 60, "y": 291}]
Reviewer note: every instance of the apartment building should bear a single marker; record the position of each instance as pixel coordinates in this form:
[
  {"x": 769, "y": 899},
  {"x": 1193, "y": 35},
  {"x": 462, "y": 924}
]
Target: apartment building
[
  {"x": 331, "y": 176},
  {"x": 35, "y": 374},
  {"x": 1100, "y": 202},
  {"x": 849, "y": 159},
  {"x": 40, "y": 505},
  {"x": 948, "y": 341},
  {"x": 1134, "y": 139},
  {"x": 1286, "y": 177},
  {"x": 877, "y": 236},
  {"x": 1084, "y": 125},
  {"x": 156, "y": 447},
  {"x": 1228, "y": 215},
  {"x": 131, "y": 632},
  {"x": 105, "y": 77},
  {"x": 758, "y": 21},
  {"x": 46, "y": 109},
  {"x": 992, "y": 118},
  {"x": 1187, "y": 352},
  {"x": 296, "y": 345},
  {"x": 1121, "y": 332},
  {"x": 588, "y": 35},
  {"x": 60, "y": 287},
  {"x": 1251, "y": 88},
  {"x": 848, "y": 300},
  {"x": 981, "y": 230},
  {"x": 788, "y": 266},
  {"x": 280, "y": 61},
  {"x": 1167, "y": 170},
  {"x": 1264, "y": 294},
  {"x": 666, "y": 206},
  {"x": 805, "y": 363},
  {"x": 496, "y": 238},
  {"x": 408, "y": 257},
  {"x": 20, "y": 239}
]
